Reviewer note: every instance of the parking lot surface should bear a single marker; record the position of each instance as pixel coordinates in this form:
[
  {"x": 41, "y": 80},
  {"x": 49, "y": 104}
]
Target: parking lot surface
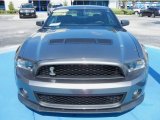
[
  {"x": 145, "y": 29},
  {"x": 12, "y": 109},
  {"x": 14, "y": 31}
]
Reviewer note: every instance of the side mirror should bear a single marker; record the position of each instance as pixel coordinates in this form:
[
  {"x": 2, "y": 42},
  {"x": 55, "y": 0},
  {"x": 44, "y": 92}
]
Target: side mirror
[
  {"x": 124, "y": 22},
  {"x": 39, "y": 23}
]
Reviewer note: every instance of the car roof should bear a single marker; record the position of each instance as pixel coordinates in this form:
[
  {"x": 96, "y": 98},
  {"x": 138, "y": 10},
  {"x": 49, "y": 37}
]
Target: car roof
[{"x": 84, "y": 7}]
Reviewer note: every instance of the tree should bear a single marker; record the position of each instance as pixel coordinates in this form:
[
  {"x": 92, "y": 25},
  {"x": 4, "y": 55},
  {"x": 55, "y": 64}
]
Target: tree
[
  {"x": 134, "y": 2},
  {"x": 11, "y": 6},
  {"x": 65, "y": 3},
  {"x": 124, "y": 3}
]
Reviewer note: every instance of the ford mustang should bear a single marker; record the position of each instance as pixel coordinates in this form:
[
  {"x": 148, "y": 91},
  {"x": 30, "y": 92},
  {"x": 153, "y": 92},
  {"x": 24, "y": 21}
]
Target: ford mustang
[{"x": 81, "y": 60}]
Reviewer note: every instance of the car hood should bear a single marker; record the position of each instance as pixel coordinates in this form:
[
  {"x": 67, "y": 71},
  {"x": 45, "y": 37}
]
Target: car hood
[{"x": 52, "y": 45}]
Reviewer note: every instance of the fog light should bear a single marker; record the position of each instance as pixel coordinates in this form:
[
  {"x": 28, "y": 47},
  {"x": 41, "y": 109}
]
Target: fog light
[
  {"x": 136, "y": 93},
  {"x": 23, "y": 92}
]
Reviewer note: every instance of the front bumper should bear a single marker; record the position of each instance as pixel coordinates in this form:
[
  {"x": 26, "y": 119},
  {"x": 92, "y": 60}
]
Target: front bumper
[
  {"x": 27, "y": 14},
  {"x": 128, "y": 87},
  {"x": 121, "y": 109}
]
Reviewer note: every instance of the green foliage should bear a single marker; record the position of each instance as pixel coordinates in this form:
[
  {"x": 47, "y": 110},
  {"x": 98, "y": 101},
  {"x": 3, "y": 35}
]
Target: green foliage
[
  {"x": 8, "y": 11},
  {"x": 11, "y": 11},
  {"x": 127, "y": 12},
  {"x": 2, "y": 12},
  {"x": 123, "y": 11},
  {"x": 11, "y": 6},
  {"x": 118, "y": 11}
]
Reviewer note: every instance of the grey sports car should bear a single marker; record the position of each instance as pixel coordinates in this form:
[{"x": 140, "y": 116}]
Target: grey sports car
[{"x": 81, "y": 60}]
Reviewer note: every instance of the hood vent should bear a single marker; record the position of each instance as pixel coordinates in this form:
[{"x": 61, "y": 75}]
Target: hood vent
[
  {"x": 104, "y": 41},
  {"x": 81, "y": 41},
  {"x": 55, "y": 41}
]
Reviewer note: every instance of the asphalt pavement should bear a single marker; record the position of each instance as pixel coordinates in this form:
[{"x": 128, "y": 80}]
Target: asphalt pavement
[
  {"x": 145, "y": 29},
  {"x": 13, "y": 31}
]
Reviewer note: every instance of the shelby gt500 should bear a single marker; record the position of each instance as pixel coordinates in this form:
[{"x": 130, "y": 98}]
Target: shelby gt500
[{"x": 81, "y": 60}]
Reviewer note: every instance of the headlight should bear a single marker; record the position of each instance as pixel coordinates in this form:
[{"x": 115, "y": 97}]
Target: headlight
[
  {"x": 32, "y": 11},
  {"x": 136, "y": 65},
  {"x": 25, "y": 64}
]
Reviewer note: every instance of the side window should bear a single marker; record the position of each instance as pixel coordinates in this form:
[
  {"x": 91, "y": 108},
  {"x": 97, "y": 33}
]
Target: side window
[
  {"x": 151, "y": 9},
  {"x": 72, "y": 13}
]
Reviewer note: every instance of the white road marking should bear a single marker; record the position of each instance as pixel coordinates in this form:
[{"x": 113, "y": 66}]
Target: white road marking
[
  {"x": 154, "y": 47},
  {"x": 8, "y": 49},
  {"x": 20, "y": 32}
]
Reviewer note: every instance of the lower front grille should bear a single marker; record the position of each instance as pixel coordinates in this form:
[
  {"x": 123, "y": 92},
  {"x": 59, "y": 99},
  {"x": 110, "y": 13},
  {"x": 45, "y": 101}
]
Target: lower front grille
[{"x": 80, "y": 100}]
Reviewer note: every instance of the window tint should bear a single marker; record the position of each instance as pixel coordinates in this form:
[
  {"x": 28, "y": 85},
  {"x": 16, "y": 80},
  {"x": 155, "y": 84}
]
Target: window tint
[{"x": 27, "y": 6}]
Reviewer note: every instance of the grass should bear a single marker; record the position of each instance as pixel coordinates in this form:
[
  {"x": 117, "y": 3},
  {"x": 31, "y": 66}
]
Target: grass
[
  {"x": 122, "y": 11},
  {"x": 8, "y": 11},
  {"x": 115, "y": 10}
]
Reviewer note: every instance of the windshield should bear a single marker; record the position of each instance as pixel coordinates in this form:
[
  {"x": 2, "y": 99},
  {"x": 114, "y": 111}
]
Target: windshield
[
  {"x": 27, "y": 6},
  {"x": 81, "y": 17}
]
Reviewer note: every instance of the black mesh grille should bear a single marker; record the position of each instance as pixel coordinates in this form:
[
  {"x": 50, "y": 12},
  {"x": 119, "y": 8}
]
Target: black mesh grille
[
  {"x": 80, "y": 100},
  {"x": 73, "y": 71}
]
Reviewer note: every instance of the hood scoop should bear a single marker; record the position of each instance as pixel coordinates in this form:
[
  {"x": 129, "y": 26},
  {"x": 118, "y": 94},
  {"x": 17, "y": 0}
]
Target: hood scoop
[{"x": 81, "y": 41}]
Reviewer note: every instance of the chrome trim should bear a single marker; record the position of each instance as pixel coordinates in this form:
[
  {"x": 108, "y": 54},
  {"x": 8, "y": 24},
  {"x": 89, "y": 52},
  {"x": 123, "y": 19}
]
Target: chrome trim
[
  {"x": 81, "y": 61},
  {"x": 81, "y": 78}
]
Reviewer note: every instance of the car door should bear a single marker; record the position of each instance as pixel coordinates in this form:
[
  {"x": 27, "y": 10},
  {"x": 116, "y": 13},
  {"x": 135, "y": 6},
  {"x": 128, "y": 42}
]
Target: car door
[
  {"x": 157, "y": 11},
  {"x": 149, "y": 11}
]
